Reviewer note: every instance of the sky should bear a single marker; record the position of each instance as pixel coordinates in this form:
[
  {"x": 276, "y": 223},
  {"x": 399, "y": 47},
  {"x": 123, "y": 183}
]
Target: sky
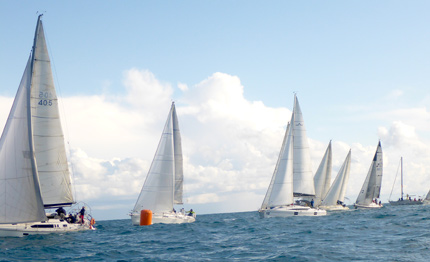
[{"x": 360, "y": 70}]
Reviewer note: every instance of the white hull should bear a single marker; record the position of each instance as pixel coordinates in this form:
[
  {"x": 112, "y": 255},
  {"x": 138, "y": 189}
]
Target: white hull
[
  {"x": 371, "y": 205},
  {"x": 406, "y": 203},
  {"x": 334, "y": 208},
  {"x": 41, "y": 228},
  {"x": 164, "y": 218},
  {"x": 289, "y": 211}
]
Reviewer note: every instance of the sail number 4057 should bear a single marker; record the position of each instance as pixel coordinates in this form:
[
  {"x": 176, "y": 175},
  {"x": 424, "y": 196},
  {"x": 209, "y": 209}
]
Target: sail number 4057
[{"x": 45, "y": 99}]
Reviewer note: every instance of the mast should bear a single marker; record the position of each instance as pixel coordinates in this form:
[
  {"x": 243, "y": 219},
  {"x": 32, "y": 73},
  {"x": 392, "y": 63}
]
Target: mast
[{"x": 401, "y": 174}]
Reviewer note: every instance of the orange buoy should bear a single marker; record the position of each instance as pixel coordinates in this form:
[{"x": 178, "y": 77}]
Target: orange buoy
[
  {"x": 93, "y": 221},
  {"x": 145, "y": 217}
]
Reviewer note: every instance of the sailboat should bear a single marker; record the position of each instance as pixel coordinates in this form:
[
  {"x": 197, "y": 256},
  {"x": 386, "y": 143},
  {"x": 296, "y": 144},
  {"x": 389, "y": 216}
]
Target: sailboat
[
  {"x": 369, "y": 193},
  {"x": 427, "y": 199},
  {"x": 34, "y": 173},
  {"x": 408, "y": 200},
  {"x": 163, "y": 187},
  {"x": 335, "y": 197},
  {"x": 322, "y": 177},
  {"x": 292, "y": 176}
]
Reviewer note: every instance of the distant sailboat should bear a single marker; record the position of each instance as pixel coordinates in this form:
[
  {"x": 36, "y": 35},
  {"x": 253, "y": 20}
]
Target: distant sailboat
[
  {"x": 322, "y": 177},
  {"x": 334, "y": 200},
  {"x": 34, "y": 172},
  {"x": 164, "y": 183},
  {"x": 369, "y": 193},
  {"x": 427, "y": 199},
  {"x": 408, "y": 201},
  {"x": 292, "y": 175}
]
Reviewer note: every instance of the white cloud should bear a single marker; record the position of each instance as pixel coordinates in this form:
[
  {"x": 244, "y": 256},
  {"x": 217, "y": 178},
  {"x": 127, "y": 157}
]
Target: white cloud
[{"x": 230, "y": 144}]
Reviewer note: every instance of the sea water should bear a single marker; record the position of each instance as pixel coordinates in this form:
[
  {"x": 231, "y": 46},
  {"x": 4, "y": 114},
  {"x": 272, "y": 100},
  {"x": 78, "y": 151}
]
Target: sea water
[{"x": 392, "y": 233}]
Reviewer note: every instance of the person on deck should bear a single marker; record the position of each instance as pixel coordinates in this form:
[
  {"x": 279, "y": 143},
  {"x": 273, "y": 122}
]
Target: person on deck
[
  {"x": 312, "y": 202},
  {"x": 82, "y": 214},
  {"x": 61, "y": 212},
  {"x": 191, "y": 213}
]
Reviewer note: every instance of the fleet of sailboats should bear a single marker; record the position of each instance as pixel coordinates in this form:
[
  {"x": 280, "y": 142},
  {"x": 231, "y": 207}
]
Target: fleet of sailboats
[
  {"x": 34, "y": 173},
  {"x": 292, "y": 176},
  {"x": 163, "y": 186}
]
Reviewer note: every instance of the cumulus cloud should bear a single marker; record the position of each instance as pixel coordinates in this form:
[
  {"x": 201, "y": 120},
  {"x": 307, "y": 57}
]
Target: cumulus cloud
[{"x": 230, "y": 144}]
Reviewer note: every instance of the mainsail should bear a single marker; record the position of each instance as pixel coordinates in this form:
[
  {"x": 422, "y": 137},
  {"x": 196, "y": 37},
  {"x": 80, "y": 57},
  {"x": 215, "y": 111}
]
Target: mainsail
[
  {"x": 177, "y": 145},
  {"x": 20, "y": 198},
  {"x": 338, "y": 188},
  {"x": 322, "y": 177},
  {"x": 303, "y": 176},
  {"x": 372, "y": 185},
  {"x": 158, "y": 191},
  {"x": 48, "y": 135},
  {"x": 280, "y": 190}
]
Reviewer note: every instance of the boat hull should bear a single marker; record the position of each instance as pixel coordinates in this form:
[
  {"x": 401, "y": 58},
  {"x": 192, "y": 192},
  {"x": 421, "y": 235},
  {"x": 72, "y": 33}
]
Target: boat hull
[
  {"x": 334, "y": 208},
  {"x": 291, "y": 211},
  {"x": 369, "y": 206},
  {"x": 164, "y": 218},
  {"x": 406, "y": 203},
  {"x": 42, "y": 228}
]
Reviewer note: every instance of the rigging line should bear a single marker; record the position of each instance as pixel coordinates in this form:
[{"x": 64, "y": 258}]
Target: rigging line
[{"x": 395, "y": 178}]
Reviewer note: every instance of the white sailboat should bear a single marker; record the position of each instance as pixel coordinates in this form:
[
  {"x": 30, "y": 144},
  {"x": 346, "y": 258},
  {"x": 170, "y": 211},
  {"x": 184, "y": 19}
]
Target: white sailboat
[
  {"x": 334, "y": 200},
  {"x": 164, "y": 183},
  {"x": 404, "y": 201},
  {"x": 427, "y": 199},
  {"x": 292, "y": 176},
  {"x": 369, "y": 193},
  {"x": 34, "y": 173},
  {"x": 322, "y": 177}
]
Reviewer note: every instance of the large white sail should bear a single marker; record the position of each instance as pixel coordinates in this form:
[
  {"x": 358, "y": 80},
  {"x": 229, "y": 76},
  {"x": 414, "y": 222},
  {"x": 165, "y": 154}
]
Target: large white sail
[
  {"x": 338, "y": 188},
  {"x": 280, "y": 191},
  {"x": 158, "y": 190},
  {"x": 20, "y": 198},
  {"x": 372, "y": 185},
  {"x": 322, "y": 177},
  {"x": 303, "y": 176},
  {"x": 177, "y": 145},
  {"x": 48, "y": 135}
]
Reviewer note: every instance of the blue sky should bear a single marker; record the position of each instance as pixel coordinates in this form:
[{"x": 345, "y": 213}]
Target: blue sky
[{"x": 360, "y": 69}]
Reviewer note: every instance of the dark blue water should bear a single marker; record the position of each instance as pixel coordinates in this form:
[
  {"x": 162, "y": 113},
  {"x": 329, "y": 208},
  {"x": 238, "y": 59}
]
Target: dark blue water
[{"x": 388, "y": 234}]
